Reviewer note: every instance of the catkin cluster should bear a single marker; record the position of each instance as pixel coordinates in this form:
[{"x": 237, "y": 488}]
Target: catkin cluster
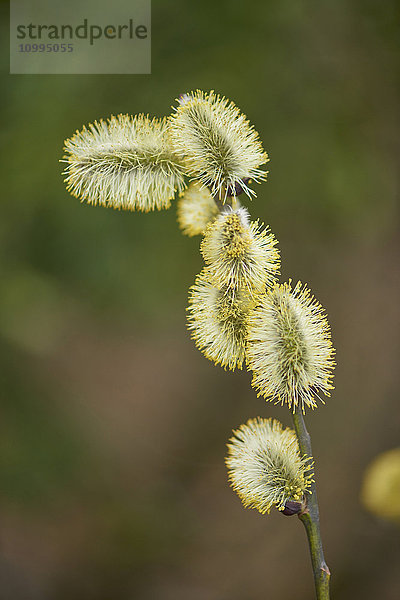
[
  {"x": 207, "y": 154},
  {"x": 241, "y": 259}
]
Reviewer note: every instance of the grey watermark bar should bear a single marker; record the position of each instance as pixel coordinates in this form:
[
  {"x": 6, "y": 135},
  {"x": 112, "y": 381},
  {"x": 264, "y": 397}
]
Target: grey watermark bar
[{"x": 87, "y": 37}]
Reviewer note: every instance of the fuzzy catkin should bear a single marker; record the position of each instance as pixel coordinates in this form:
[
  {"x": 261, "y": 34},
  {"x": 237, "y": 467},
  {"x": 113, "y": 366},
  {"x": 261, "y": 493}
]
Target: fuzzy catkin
[
  {"x": 265, "y": 467},
  {"x": 240, "y": 254},
  {"x": 124, "y": 162},
  {"x": 196, "y": 209},
  {"x": 289, "y": 348},
  {"x": 217, "y": 143},
  {"x": 217, "y": 320}
]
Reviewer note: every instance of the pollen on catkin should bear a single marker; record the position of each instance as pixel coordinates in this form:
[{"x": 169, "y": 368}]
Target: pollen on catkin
[
  {"x": 289, "y": 348},
  {"x": 196, "y": 208},
  {"x": 219, "y": 145},
  {"x": 217, "y": 320},
  {"x": 239, "y": 254},
  {"x": 265, "y": 467},
  {"x": 125, "y": 162},
  {"x": 380, "y": 493}
]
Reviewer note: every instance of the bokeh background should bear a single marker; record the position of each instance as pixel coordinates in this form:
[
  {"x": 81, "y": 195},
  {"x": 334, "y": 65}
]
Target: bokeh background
[{"x": 113, "y": 426}]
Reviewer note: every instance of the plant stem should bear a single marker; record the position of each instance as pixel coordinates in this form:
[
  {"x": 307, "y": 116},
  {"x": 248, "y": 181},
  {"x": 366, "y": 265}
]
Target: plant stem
[{"x": 310, "y": 518}]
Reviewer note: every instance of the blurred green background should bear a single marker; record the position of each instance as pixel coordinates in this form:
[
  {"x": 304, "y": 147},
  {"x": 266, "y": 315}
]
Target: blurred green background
[{"x": 113, "y": 426}]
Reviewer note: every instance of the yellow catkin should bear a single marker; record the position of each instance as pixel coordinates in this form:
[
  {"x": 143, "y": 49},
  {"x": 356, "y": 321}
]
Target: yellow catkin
[
  {"x": 217, "y": 320},
  {"x": 380, "y": 492},
  {"x": 196, "y": 208},
  {"x": 265, "y": 467},
  {"x": 218, "y": 144},
  {"x": 239, "y": 254},
  {"x": 289, "y": 348},
  {"x": 125, "y": 162}
]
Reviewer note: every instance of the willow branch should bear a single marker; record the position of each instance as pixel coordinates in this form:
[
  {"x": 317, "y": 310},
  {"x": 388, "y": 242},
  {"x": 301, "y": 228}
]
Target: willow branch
[{"x": 310, "y": 518}]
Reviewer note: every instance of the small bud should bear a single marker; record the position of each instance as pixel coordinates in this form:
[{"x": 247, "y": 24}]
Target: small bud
[
  {"x": 196, "y": 208},
  {"x": 292, "y": 508},
  {"x": 237, "y": 188}
]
